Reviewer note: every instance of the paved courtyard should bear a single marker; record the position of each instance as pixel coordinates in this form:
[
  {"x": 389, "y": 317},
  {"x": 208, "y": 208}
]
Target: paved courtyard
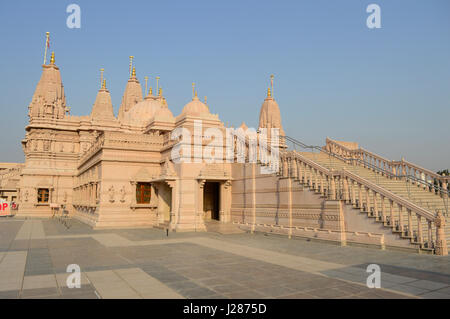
[{"x": 145, "y": 263}]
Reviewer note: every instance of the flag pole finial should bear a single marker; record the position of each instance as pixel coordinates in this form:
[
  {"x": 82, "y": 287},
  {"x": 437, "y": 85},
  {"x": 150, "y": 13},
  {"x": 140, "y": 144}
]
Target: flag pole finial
[
  {"x": 146, "y": 83},
  {"x": 101, "y": 75},
  {"x": 271, "y": 82},
  {"x": 47, "y": 45},
  {"x": 131, "y": 64}
]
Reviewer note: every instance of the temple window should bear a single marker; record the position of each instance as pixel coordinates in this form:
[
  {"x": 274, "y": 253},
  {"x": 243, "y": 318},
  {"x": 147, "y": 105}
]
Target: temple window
[
  {"x": 43, "y": 195},
  {"x": 143, "y": 193}
]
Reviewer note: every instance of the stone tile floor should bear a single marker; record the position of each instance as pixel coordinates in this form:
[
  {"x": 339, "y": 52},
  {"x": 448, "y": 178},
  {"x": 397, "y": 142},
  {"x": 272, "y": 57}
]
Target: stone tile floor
[{"x": 145, "y": 263}]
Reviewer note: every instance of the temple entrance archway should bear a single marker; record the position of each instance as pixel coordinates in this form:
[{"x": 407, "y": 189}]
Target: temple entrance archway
[{"x": 211, "y": 201}]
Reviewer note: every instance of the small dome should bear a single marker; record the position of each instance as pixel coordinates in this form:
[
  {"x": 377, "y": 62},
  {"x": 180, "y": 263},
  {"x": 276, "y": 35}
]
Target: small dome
[
  {"x": 164, "y": 113},
  {"x": 195, "y": 107},
  {"x": 143, "y": 112}
]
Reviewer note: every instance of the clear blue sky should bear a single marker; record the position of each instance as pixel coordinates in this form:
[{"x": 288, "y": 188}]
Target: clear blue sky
[{"x": 388, "y": 88}]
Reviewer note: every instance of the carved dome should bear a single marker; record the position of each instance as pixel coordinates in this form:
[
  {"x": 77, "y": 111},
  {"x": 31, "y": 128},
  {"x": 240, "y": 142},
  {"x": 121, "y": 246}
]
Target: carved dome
[
  {"x": 143, "y": 112},
  {"x": 195, "y": 107},
  {"x": 164, "y": 113}
]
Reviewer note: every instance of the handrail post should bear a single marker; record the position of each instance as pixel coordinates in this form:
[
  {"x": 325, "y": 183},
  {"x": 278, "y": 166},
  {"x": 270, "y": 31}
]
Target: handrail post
[
  {"x": 400, "y": 218},
  {"x": 430, "y": 235},
  {"x": 360, "y": 202},
  {"x": 368, "y": 200},
  {"x": 383, "y": 212},
  {"x": 419, "y": 230},
  {"x": 391, "y": 214},
  {"x": 410, "y": 232},
  {"x": 294, "y": 168},
  {"x": 346, "y": 190},
  {"x": 321, "y": 183},
  {"x": 444, "y": 187},
  {"x": 353, "y": 193},
  {"x": 333, "y": 187},
  {"x": 316, "y": 180},
  {"x": 441, "y": 242},
  {"x": 375, "y": 205}
]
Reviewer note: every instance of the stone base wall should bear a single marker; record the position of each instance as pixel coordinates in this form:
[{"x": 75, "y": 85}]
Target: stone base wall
[{"x": 270, "y": 204}]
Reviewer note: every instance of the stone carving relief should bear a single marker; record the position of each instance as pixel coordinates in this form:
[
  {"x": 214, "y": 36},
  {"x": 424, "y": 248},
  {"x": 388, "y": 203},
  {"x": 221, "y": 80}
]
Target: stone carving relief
[
  {"x": 111, "y": 194},
  {"x": 46, "y": 145},
  {"x": 122, "y": 194}
]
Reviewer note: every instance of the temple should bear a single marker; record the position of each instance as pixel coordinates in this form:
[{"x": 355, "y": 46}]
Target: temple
[{"x": 121, "y": 172}]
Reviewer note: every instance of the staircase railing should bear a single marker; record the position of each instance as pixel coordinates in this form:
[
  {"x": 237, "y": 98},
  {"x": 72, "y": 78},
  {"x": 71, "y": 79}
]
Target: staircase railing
[
  {"x": 345, "y": 185},
  {"x": 394, "y": 169}
]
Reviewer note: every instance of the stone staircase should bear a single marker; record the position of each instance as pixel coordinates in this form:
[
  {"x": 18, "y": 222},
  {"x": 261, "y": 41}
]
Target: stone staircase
[{"x": 407, "y": 189}]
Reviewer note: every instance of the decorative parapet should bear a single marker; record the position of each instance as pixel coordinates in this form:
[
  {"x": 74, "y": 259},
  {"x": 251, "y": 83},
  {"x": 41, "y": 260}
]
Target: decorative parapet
[
  {"x": 394, "y": 169},
  {"x": 124, "y": 141}
]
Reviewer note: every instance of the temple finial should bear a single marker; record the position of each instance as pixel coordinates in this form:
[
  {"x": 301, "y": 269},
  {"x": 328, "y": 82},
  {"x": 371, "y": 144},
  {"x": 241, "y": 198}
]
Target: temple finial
[
  {"x": 104, "y": 84},
  {"x": 150, "y": 91},
  {"x": 269, "y": 94},
  {"x": 52, "y": 58},
  {"x": 157, "y": 83},
  {"x": 133, "y": 74},
  {"x": 206, "y": 99},
  {"x": 160, "y": 92},
  {"x": 193, "y": 89}
]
